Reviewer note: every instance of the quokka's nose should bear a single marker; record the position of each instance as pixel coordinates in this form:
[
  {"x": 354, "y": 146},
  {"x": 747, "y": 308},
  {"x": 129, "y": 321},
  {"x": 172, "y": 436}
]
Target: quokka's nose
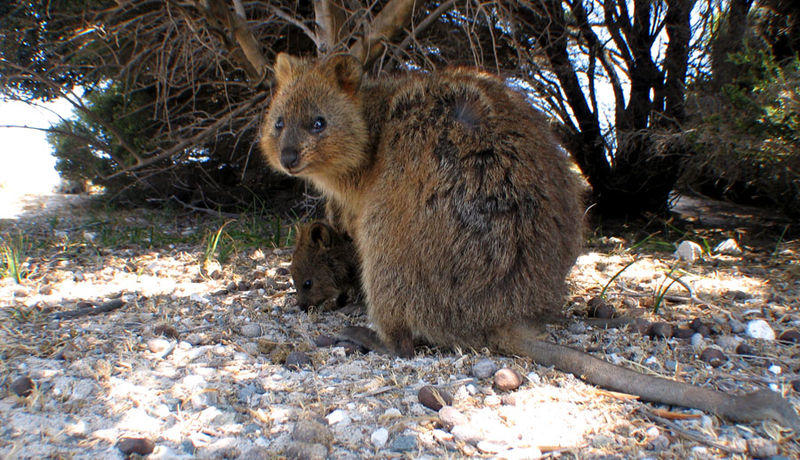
[{"x": 290, "y": 157}]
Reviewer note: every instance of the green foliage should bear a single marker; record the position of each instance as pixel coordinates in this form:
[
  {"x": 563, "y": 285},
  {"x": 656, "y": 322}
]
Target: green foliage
[
  {"x": 92, "y": 144},
  {"x": 12, "y": 254},
  {"x": 748, "y": 145}
]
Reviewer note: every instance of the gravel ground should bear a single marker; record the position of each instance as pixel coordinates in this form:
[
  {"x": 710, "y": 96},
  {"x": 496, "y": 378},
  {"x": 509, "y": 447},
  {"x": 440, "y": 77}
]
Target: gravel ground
[{"x": 192, "y": 364}]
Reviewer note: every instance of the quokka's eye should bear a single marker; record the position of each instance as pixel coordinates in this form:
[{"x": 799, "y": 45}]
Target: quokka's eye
[
  {"x": 279, "y": 124},
  {"x": 307, "y": 284},
  {"x": 318, "y": 125}
]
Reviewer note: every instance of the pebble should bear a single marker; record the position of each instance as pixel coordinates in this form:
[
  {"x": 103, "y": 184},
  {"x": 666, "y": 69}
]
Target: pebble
[
  {"x": 761, "y": 448},
  {"x": 790, "y": 336},
  {"x": 507, "y": 379},
  {"x": 491, "y": 447},
  {"x": 312, "y": 432},
  {"x": 698, "y": 342},
  {"x": 323, "y": 340},
  {"x": 140, "y": 446},
  {"x": 403, "y": 443},
  {"x": 577, "y": 328},
  {"x": 728, "y": 247},
  {"x": 683, "y": 333},
  {"x": 467, "y": 434},
  {"x": 759, "y": 329},
  {"x": 194, "y": 339},
  {"x": 297, "y": 359},
  {"x": 698, "y": 325},
  {"x": 434, "y": 398},
  {"x": 250, "y": 330},
  {"x": 484, "y": 368},
  {"x": 728, "y": 342},
  {"x": 775, "y": 369},
  {"x": 391, "y": 413},
  {"x": 599, "y": 308},
  {"x": 450, "y": 417},
  {"x": 713, "y": 356},
  {"x": 688, "y": 251},
  {"x": 340, "y": 416},
  {"x": 660, "y": 330},
  {"x": 22, "y": 386},
  {"x": 745, "y": 349},
  {"x": 379, "y": 437},
  {"x": 157, "y": 345}
]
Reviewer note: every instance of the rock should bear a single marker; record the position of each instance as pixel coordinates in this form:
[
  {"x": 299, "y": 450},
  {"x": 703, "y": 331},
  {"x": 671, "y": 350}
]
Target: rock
[
  {"x": 195, "y": 339},
  {"x": 713, "y": 356},
  {"x": 790, "y": 336},
  {"x": 484, "y": 368},
  {"x": 323, "y": 340},
  {"x": 737, "y": 327},
  {"x": 250, "y": 330},
  {"x": 450, "y": 417},
  {"x": 660, "y": 330},
  {"x": 434, "y": 398},
  {"x": 379, "y": 437},
  {"x": 577, "y": 328},
  {"x": 688, "y": 251},
  {"x": 775, "y": 369},
  {"x": 312, "y": 432},
  {"x": 728, "y": 247},
  {"x": 403, "y": 443},
  {"x": 507, "y": 379},
  {"x": 22, "y": 386},
  {"x": 467, "y": 433},
  {"x": 761, "y": 448},
  {"x": 698, "y": 342},
  {"x": 759, "y": 329},
  {"x": 745, "y": 349},
  {"x": 698, "y": 325},
  {"x": 282, "y": 271},
  {"x": 599, "y": 308},
  {"x": 306, "y": 451},
  {"x": 738, "y": 295},
  {"x": 340, "y": 416},
  {"x": 728, "y": 342},
  {"x": 391, "y": 413},
  {"x": 297, "y": 359},
  {"x": 491, "y": 447},
  {"x": 158, "y": 345},
  {"x": 140, "y": 446}
]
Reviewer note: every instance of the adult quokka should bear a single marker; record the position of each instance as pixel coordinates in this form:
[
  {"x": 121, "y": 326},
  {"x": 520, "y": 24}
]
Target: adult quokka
[{"x": 464, "y": 212}]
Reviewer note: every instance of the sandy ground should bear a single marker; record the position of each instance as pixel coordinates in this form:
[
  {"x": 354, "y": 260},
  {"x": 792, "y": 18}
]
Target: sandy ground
[{"x": 194, "y": 365}]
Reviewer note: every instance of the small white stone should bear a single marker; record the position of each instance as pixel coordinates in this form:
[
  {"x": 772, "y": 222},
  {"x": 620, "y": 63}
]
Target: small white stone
[
  {"x": 533, "y": 377},
  {"x": 250, "y": 330},
  {"x": 689, "y": 251},
  {"x": 379, "y": 437},
  {"x": 698, "y": 342},
  {"x": 89, "y": 236},
  {"x": 491, "y": 447},
  {"x": 492, "y": 400},
  {"x": 338, "y": 416},
  {"x": 157, "y": 345},
  {"x": 759, "y": 329},
  {"x": 775, "y": 369},
  {"x": 652, "y": 432},
  {"x": 728, "y": 247}
]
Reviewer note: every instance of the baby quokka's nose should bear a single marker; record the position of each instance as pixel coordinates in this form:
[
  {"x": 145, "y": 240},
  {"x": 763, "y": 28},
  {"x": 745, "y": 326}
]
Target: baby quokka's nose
[{"x": 290, "y": 157}]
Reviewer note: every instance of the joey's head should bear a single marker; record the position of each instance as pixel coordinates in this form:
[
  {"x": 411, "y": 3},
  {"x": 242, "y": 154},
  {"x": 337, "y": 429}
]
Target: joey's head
[
  {"x": 320, "y": 264},
  {"x": 315, "y": 127}
]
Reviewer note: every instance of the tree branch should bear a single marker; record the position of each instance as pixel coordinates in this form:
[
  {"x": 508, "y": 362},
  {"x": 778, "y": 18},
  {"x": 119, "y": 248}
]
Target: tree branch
[{"x": 395, "y": 16}]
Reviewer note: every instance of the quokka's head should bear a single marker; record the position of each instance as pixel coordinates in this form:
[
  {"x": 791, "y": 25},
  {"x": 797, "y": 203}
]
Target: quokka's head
[
  {"x": 314, "y": 127},
  {"x": 319, "y": 264}
]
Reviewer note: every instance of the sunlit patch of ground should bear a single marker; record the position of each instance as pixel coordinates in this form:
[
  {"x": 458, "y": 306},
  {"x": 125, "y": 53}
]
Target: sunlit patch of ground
[{"x": 182, "y": 365}]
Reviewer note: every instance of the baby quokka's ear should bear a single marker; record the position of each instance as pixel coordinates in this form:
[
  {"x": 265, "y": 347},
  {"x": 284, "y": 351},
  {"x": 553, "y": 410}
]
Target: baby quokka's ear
[
  {"x": 286, "y": 68},
  {"x": 345, "y": 70},
  {"x": 321, "y": 235}
]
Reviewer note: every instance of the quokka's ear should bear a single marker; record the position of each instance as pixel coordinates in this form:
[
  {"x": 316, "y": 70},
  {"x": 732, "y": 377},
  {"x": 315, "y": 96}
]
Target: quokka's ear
[
  {"x": 286, "y": 67},
  {"x": 321, "y": 234},
  {"x": 345, "y": 70}
]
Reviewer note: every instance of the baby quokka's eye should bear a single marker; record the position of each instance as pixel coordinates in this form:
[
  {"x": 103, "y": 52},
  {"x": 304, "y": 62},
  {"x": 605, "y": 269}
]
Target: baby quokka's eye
[
  {"x": 279, "y": 124},
  {"x": 307, "y": 284},
  {"x": 318, "y": 125}
]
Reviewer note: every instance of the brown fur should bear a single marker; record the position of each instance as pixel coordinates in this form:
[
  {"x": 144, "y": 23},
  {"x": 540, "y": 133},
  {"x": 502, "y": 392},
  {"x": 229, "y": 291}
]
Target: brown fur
[
  {"x": 324, "y": 267},
  {"x": 463, "y": 209}
]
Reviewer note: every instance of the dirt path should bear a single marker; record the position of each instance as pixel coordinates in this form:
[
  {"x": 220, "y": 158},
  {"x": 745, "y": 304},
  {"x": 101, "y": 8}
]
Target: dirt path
[{"x": 195, "y": 365}]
